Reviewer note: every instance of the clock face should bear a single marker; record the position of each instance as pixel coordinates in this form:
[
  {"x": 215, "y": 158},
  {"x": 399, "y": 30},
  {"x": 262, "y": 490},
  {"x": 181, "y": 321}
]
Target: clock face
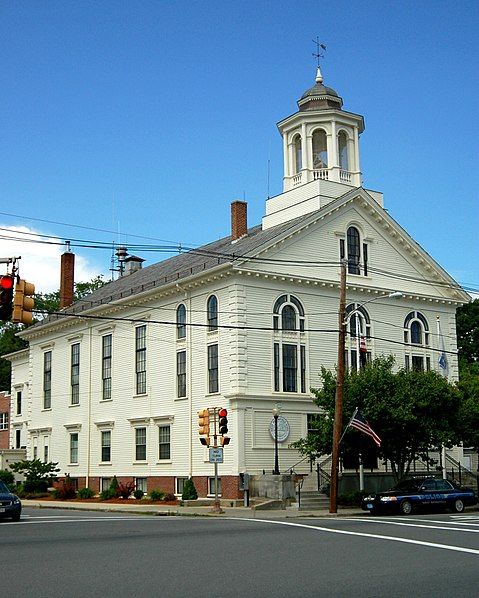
[{"x": 283, "y": 428}]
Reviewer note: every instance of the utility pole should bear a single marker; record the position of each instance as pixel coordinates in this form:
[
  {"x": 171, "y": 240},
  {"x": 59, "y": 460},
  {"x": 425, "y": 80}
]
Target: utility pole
[{"x": 338, "y": 404}]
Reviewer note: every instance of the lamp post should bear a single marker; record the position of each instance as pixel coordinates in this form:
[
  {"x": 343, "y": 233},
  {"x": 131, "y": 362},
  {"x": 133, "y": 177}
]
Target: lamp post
[
  {"x": 338, "y": 406},
  {"x": 276, "y": 412}
]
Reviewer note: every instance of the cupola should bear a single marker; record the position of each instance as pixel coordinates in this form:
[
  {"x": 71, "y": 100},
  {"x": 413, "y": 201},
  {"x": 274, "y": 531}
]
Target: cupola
[{"x": 321, "y": 140}]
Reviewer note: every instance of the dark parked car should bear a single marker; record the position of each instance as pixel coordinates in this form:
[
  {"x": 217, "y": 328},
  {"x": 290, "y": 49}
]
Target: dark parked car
[
  {"x": 10, "y": 505},
  {"x": 420, "y": 493}
]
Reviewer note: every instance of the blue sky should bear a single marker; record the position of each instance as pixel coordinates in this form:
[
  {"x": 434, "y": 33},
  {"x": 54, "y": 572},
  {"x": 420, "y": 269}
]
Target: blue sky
[{"x": 150, "y": 117}]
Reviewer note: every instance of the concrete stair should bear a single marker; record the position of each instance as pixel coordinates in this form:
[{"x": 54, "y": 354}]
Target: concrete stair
[{"x": 311, "y": 499}]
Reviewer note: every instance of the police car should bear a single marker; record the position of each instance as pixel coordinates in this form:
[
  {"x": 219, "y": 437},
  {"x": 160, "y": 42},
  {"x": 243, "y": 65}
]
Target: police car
[{"x": 420, "y": 493}]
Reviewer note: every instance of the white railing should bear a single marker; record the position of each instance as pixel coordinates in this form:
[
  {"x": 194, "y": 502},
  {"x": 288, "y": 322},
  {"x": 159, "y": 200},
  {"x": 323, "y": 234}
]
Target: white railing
[
  {"x": 322, "y": 174},
  {"x": 344, "y": 176},
  {"x": 297, "y": 179}
]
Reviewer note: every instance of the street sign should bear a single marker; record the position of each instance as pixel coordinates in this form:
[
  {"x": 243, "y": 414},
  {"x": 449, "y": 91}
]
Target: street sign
[{"x": 216, "y": 455}]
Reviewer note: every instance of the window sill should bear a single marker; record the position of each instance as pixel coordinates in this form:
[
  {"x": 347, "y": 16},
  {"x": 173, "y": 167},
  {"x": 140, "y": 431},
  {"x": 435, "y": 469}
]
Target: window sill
[
  {"x": 73, "y": 464},
  {"x": 106, "y": 400},
  {"x": 108, "y": 463},
  {"x": 164, "y": 461},
  {"x": 212, "y": 394},
  {"x": 181, "y": 398},
  {"x": 143, "y": 395},
  {"x": 47, "y": 409},
  {"x": 74, "y": 405},
  {"x": 145, "y": 462}
]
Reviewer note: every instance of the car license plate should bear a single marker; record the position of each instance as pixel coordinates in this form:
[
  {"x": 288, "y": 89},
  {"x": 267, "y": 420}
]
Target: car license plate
[
  {"x": 2, "y": 509},
  {"x": 370, "y": 505}
]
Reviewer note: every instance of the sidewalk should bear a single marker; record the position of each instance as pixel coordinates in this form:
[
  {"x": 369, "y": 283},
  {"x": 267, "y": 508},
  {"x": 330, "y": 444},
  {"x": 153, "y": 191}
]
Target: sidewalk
[{"x": 168, "y": 510}]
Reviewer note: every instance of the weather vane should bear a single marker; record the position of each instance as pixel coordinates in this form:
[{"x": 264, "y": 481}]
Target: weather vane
[{"x": 320, "y": 49}]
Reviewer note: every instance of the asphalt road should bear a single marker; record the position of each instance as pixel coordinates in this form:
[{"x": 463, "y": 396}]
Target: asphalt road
[{"x": 71, "y": 553}]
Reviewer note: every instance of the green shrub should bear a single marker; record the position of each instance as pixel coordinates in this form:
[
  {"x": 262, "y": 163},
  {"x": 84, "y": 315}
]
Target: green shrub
[
  {"x": 138, "y": 494},
  {"x": 189, "y": 490},
  {"x": 7, "y": 478},
  {"x": 351, "y": 498},
  {"x": 169, "y": 496},
  {"x": 107, "y": 494},
  {"x": 85, "y": 493},
  {"x": 157, "y": 495},
  {"x": 115, "y": 487}
]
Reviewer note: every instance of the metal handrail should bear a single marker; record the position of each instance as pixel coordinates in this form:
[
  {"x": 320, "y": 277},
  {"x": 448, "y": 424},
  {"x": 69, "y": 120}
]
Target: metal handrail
[{"x": 311, "y": 460}]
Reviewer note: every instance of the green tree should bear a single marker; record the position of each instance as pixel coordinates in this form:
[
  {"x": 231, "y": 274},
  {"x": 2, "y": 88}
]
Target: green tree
[
  {"x": 467, "y": 322},
  {"x": 38, "y": 475},
  {"x": 50, "y": 302},
  {"x": 411, "y": 411},
  {"x": 9, "y": 343}
]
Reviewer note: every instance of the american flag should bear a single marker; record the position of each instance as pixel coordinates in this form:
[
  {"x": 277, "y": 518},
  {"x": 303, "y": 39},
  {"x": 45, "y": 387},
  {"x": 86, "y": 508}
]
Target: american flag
[{"x": 359, "y": 422}]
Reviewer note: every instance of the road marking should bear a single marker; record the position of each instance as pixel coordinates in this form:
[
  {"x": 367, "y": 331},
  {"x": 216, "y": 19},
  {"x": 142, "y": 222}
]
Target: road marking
[
  {"x": 366, "y": 535},
  {"x": 33, "y": 520},
  {"x": 443, "y": 522},
  {"x": 386, "y": 522}
]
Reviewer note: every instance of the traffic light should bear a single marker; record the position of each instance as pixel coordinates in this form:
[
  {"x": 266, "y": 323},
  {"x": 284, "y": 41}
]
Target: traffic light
[
  {"x": 204, "y": 426},
  {"x": 224, "y": 440},
  {"x": 222, "y": 421},
  {"x": 23, "y": 302},
  {"x": 6, "y": 297}
]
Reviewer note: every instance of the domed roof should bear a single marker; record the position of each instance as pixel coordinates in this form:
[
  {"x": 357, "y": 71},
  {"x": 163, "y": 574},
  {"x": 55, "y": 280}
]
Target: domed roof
[
  {"x": 320, "y": 97},
  {"x": 319, "y": 89}
]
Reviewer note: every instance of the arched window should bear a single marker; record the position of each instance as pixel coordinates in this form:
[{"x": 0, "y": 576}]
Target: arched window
[
  {"x": 359, "y": 331},
  {"x": 354, "y": 250},
  {"x": 416, "y": 336},
  {"x": 212, "y": 313},
  {"x": 320, "y": 149},
  {"x": 289, "y": 350},
  {"x": 289, "y": 310},
  {"x": 298, "y": 154},
  {"x": 343, "y": 150},
  {"x": 181, "y": 321}
]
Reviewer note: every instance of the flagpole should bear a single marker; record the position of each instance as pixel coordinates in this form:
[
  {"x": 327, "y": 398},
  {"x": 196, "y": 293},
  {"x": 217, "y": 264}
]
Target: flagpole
[{"x": 443, "y": 448}]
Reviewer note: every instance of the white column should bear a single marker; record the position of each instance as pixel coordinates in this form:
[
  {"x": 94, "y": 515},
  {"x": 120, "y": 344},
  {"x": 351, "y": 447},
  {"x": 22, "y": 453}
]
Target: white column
[
  {"x": 304, "y": 148},
  {"x": 286, "y": 166},
  {"x": 333, "y": 158}
]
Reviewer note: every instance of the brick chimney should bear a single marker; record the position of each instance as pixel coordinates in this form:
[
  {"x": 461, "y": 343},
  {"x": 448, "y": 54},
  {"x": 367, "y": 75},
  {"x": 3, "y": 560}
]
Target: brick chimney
[
  {"x": 239, "y": 219},
  {"x": 67, "y": 279}
]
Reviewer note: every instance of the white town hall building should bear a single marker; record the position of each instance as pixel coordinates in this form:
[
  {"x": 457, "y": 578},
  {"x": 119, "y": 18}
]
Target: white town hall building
[{"x": 244, "y": 323}]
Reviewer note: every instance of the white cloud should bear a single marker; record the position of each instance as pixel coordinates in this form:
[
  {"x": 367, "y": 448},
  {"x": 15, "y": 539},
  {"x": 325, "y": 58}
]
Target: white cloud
[{"x": 40, "y": 262}]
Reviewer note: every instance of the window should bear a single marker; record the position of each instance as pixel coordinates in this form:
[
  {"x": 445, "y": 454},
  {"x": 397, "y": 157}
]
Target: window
[
  {"x": 106, "y": 366},
  {"x": 105, "y": 484},
  {"x": 358, "y": 333},
  {"x": 288, "y": 324},
  {"x": 4, "y": 421},
  {"x": 35, "y": 448},
  {"x": 213, "y": 385},
  {"x": 74, "y": 447},
  {"x": 180, "y": 485},
  {"x": 416, "y": 337},
  {"x": 19, "y": 402},
  {"x": 211, "y": 486},
  {"x": 106, "y": 446},
  {"x": 320, "y": 149},
  {"x": 311, "y": 423},
  {"x": 343, "y": 150},
  {"x": 288, "y": 310},
  {"x": 353, "y": 250},
  {"x": 18, "y": 438},
  {"x": 298, "y": 154},
  {"x": 47, "y": 380},
  {"x": 140, "y": 346},
  {"x": 141, "y": 484},
  {"x": 181, "y": 374},
  {"x": 140, "y": 444},
  {"x": 46, "y": 441},
  {"x": 75, "y": 374},
  {"x": 286, "y": 369},
  {"x": 164, "y": 451},
  {"x": 212, "y": 313},
  {"x": 181, "y": 322}
]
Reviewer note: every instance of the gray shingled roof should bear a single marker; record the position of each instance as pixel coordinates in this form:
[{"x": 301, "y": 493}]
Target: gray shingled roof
[{"x": 177, "y": 268}]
